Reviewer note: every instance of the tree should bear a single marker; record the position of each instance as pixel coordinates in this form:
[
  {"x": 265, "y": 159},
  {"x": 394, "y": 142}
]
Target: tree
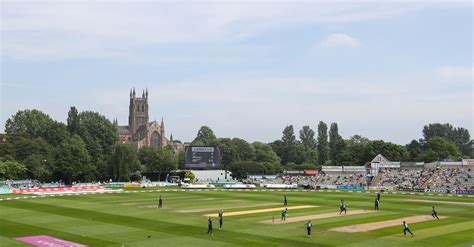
[
  {"x": 205, "y": 137},
  {"x": 31, "y": 123},
  {"x": 181, "y": 159},
  {"x": 356, "y": 151},
  {"x": 228, "y": 152},
  {"x": 72, "y": 161},
  {"x": 306, "y": 149},
  {"x": 336, "y": 144},
  {"x": 243, "y": 149},
  {"x": 123, "y": 162},
  {"x": 307, "y": 137},
  {"x": 36, "y": 124},
  {"x": 439, "y": 148},
  {"x": 11, "y": 169},
  {"x": 265, "y": 153},
  {"x": 389, "y": 150},
  {"x": 73, "y": 121},
  {"x": 414, "y": 149},
  {"x": 455, "y": 135},
  {"x": 157, "y": 160},
  {"x": 35, "y": 154},
  {"x": 289, "y": 145},
  {"x": 99, "y": 136},
  {"x": 323, "y": 148}
]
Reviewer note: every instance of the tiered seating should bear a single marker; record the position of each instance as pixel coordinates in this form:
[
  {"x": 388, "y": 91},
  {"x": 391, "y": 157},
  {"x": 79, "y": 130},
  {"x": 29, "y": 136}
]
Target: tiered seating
[
  {"x": 351, "y": 179},
  {"x": 404, "y": 178},
  {"x": 451, "y": 178},
  {"x": 301, "y": 180}
]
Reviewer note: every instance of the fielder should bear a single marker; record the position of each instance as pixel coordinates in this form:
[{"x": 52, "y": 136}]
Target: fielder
[
  {"x": 160, "y": 202},
  {"x": 434, "y": 214},
  {"x": 285, "y": 201},
  {"x": 309, "y": 227},
  {"x": 343, "y": 207},
  {"x": 221, "y": 220},
  {"x": 407, "y": 229},
  {"x": 209, "y": 226},
  {"x": 377, "y": 204}
]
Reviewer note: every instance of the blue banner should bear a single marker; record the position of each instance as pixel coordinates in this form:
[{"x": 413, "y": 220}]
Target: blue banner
[
  {"x": 349, "y": 187},
  {"x": 5, "y": 191}
]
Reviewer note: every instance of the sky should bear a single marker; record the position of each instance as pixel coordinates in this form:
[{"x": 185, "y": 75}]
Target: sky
[{"x": 380, "y": 69}]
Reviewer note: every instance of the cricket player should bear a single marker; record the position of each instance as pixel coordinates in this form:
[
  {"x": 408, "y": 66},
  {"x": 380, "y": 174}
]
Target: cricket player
[
  {"x": 343, "y": 207},
  {"x": 407, "y": 229},
  {"x": 221, "y": 220},
  {"x": 209, "y": 226},
  {"x": 160, "y": 202},
  {"x": 285, "y": 201},
  {"x": 309, "y": 227},
  {"x": 284, "y": 213},
  {"x": 377, "y": 204},
  {"x": 434, "y": 213},
  {"x": 378, "y": 196}
]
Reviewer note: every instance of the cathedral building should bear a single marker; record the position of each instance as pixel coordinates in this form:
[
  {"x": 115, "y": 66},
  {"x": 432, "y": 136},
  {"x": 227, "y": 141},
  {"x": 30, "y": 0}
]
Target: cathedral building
[{"x": 139, "y": 131}]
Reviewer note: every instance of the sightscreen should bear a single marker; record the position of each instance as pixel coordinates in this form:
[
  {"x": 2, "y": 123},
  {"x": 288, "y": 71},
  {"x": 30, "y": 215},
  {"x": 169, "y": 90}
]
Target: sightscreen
[{"x": 202, "y": 157}]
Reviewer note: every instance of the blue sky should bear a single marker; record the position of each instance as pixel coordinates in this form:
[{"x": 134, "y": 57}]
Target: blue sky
[{"x": 381, "y": 69}]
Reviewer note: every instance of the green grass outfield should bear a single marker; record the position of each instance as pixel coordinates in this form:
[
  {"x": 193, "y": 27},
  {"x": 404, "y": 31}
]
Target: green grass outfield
[{"x": 128, "y": 219}]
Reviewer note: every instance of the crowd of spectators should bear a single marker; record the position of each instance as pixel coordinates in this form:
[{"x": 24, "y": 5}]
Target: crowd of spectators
[
  {"x": 451, "y": 178},
  {"x": 351, "y": 179},
  {"x": 301, "y": 180},
  {"x": 404, "y": 178}
]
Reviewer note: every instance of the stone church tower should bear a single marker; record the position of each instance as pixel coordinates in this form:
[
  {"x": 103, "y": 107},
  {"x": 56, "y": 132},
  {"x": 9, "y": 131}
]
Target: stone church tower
[
  {"x": 137, "y": 110},
  {"x": 140, "y": 131}
]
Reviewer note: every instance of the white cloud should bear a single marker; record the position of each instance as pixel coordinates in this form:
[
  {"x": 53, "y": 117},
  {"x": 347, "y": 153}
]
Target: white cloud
[
  {"x": 456, "y": 72},
  {"x": 339, "y": 39}
]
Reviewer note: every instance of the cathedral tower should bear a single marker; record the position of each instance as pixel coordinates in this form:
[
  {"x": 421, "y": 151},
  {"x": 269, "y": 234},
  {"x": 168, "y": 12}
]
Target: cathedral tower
[{"x": 138, "y": 110}]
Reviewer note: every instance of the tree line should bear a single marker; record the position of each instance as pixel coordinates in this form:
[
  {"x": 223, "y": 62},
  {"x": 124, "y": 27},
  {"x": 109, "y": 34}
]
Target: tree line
[
  {"x": 86, "y": 148},
  {"x": 327, "y": 147}
]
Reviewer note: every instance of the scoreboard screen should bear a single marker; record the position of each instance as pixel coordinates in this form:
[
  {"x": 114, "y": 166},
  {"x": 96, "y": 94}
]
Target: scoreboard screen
[{"x": 202, "y": 157}]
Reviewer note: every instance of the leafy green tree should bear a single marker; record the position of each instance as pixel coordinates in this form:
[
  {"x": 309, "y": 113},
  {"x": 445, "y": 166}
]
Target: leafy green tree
[
  {"x": 336, "y": 145},
  {"x": 157, "y": 160},
  {"x": 389, "y": 150},
  {"x": 31, "y": 123},
  {"x": 73, "y": 121},
  {"x": 414, "y": 149},
  {"x": 181, "y": 159},
  {"x": 455, "y": 135},
  {"x": 11, "y": 169},
  {"x": 289, "y": 145},
  {"x": 72, "y": 161},
  {"x": 439, "y": 148},
  {"x": 306, "y": 148},
  {"x": 323, "y": 147},
  {"x": 123, "y": 162},
  {"x": 356, "y": 152},
  {"x": 99, "y": 136},
  {"x": 307, "y": 137},
  {"x": 205, "y": 137},
  {"x": 38, "y": 167},
  {"x": 36, "y": 124},
  {"x": 244, "y": 150},
  {"x": 265, "y": 153},
  {"x": 229, "y": 152},
  {"x": 35, "y": 154}
]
